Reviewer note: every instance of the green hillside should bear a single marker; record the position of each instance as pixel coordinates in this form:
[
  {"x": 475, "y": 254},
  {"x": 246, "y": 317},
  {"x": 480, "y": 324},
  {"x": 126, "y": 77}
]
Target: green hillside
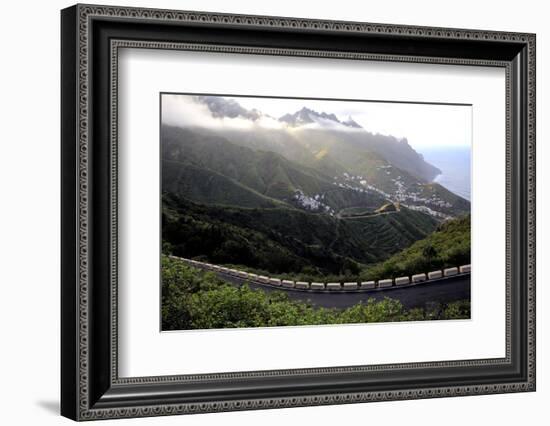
[
  {"x": 342, "y": 170},
  {"x": 448, "y": 246},
  {"x": 334, "y": 150},
  {"x": 266, "y": 172},
  {"x": 286, "y": 240},
  {"x": 205, "y": 186},
  {"x": 210, "y": 169}
]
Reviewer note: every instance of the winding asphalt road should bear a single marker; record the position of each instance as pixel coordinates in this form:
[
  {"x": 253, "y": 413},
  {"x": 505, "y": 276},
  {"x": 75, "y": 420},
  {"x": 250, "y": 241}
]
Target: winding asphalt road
[{"x": 444, "y": 290}]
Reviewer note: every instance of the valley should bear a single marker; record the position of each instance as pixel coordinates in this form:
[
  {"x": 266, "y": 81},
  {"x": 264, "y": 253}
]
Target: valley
[{"x": 315, "y": 196}]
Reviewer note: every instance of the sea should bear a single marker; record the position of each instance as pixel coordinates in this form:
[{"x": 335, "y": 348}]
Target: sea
[{"x": 455, "y": 166}]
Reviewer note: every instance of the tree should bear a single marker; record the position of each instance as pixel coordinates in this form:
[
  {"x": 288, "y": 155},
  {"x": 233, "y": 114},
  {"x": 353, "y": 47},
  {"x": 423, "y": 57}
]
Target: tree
[
  {"x": 430, "y": 254},
  {"x": 429, "y": 251}
]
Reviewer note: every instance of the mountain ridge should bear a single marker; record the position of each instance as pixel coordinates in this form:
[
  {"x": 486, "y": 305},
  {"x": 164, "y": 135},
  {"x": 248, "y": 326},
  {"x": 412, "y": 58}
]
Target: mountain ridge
[
  {"x": 304, "y": 116},
  {"x": 306, "y": 120},
  {"x": 316, "y": 184},
  {"x": 266, "y": 173}
]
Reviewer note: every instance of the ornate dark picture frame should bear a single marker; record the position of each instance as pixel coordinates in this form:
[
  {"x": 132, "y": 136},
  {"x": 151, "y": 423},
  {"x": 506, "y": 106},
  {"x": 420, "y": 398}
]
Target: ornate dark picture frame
[{"x": 90, "y": 385}]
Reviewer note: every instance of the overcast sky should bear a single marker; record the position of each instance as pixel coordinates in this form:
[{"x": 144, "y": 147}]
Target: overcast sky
[{"x": 425, "y": 126}]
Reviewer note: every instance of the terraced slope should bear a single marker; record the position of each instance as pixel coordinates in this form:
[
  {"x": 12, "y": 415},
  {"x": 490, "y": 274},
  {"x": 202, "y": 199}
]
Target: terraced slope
[{"x": 287, "y": 240}]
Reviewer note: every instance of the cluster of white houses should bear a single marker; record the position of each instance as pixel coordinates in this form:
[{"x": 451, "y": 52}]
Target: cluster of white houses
[
  {"x": 402, "y": 193},
  {"x": 331, "y": 286}
]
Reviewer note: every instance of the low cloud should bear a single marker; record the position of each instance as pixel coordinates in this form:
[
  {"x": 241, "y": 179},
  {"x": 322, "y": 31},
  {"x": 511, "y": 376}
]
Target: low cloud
[{"x": 186, "y": 111}]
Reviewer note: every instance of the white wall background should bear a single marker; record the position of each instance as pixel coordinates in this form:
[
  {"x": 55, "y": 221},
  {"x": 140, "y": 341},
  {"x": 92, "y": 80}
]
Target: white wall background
[{"x": 29, "y": 213}]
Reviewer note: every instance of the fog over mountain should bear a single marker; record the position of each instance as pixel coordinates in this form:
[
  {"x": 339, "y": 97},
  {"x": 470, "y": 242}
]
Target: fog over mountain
[{"x": 320, "y": 133}]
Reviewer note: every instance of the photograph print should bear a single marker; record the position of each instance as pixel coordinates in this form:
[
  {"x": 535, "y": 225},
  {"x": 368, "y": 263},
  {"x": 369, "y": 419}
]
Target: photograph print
[{"x": 302, "y": 212}]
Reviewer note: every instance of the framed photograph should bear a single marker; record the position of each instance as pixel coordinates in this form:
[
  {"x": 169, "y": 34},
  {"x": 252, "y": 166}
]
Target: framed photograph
[{"x": 263, "y": 212}]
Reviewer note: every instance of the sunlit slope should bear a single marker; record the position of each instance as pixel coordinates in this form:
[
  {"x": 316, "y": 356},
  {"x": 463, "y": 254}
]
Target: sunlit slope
[{"x": 448, "y": 246}]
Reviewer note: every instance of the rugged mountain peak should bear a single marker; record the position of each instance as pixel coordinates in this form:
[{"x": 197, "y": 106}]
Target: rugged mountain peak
[
  {"x": 350, "y": 122},
  {"x": 307, "y": 115},
  {"x": 221, "y": 107},
  {"x": 299, "y": 118}
]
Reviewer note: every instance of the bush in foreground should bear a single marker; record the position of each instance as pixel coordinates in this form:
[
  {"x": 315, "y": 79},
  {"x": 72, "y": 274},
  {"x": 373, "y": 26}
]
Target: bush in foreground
[{"x": 193, "y": 299}]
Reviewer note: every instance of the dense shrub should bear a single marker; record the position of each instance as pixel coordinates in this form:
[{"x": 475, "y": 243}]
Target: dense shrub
[
  {"x": 448, "y": 246},
  {"x": 194, "y": 299}
]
